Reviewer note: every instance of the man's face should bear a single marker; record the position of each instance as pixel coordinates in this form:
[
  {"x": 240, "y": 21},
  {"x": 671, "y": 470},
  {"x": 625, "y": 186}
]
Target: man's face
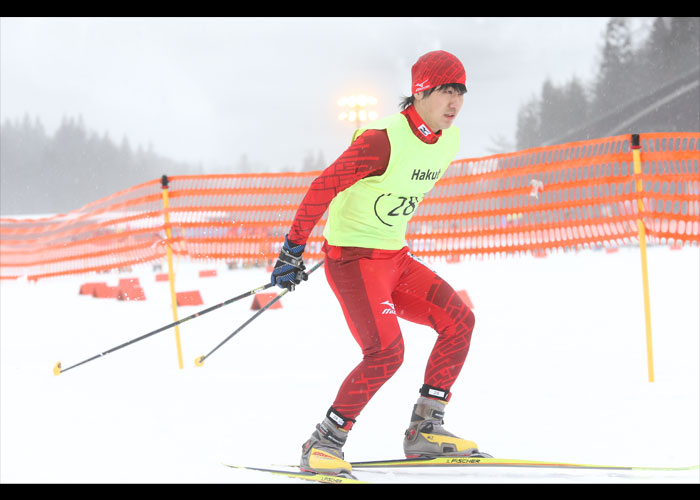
[{"x": 440, "y": 108}]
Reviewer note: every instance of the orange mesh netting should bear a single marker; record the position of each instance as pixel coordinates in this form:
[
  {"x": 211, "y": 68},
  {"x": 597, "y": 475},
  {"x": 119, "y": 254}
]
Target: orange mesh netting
[{"x": 570, "y": 196}]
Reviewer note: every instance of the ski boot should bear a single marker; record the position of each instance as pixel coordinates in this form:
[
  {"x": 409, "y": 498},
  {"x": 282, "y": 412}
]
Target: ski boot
[
  {"x": 426, "y": 438},
  {"x": 322, "y": 453}
]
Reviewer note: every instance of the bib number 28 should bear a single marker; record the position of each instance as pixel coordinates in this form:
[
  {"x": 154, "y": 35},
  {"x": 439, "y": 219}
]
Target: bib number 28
[{"x": 387, "y": 206}]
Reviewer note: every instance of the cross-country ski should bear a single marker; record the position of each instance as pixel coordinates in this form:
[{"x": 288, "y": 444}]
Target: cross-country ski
[
  {"x": 475, "y": 462},
  {"x": 304, "y": 475},
  {"x": 362, "y": 471}
]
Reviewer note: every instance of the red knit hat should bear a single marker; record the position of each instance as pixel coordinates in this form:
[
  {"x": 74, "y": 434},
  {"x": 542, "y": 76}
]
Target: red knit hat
[{"x": 434, "y": 69}]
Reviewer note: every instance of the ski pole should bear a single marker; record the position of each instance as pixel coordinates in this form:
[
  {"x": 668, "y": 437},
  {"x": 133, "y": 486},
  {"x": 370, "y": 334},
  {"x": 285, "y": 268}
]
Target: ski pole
[
  {"x": 57, "y": 368},
  {"x": 200, "y": 360}
]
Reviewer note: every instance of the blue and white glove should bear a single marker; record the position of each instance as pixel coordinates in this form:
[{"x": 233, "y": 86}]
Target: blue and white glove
[{"x": 289, "y": 270}]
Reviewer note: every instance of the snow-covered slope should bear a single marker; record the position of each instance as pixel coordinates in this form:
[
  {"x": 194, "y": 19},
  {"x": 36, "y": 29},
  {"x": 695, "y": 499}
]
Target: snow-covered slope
[{"x": 557, "y": 371}]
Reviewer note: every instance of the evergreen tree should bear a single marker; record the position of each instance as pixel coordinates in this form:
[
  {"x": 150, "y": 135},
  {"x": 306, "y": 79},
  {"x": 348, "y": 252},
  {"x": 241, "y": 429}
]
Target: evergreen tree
[
  {"x": 44, "y": 174},
  {"x": 22, "y": 146},
  {"x": 528, "y": 125},
  {"x": 683, "y": 45},
  {"x": 626, "y": 77},
  {"x": 653, "y": 54},
  {"x": 611, "y": 85},
  {"x": 311, "y": 162},
  {"x": 551, "y": 107},
  {"x": 577, "y": 105}
]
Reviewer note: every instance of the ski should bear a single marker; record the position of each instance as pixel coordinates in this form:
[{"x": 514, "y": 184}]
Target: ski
[
  {"x": 306, "y": 476},
  {"x": 500, "y": 462}
]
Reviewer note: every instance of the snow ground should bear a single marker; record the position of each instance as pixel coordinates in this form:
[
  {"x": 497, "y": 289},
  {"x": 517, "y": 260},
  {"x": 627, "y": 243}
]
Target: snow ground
[{"x": 557, "y": 371}]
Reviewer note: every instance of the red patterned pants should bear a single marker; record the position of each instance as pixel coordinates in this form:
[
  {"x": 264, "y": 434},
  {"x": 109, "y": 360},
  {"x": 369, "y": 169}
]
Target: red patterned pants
[{"x": 374, "y": 288}]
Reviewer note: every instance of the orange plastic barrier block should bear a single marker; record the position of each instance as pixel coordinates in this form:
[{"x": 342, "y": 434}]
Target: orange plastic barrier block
[
  {"x": 131, "y": 293},
  {"x": 262, "y": 299},
  {"x": 193, "y": 298},
  {"x": 102, "y": 291},
  {"x": 162, "y": 277},
  {"x": 465, "y": 297},
  {"x": 128, "y": 282},
  {"x": 89, "y": 288},
  {"x": 208, "y": 273}
]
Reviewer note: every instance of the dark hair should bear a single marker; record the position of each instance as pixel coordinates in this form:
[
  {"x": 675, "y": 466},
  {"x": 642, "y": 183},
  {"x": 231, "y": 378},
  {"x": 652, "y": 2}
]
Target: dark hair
[{"x": 407, "y": 101}]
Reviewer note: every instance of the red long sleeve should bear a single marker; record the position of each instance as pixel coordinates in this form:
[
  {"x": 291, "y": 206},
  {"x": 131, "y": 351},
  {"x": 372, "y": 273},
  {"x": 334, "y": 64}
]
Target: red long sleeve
[{"x": 368, "y": 155}]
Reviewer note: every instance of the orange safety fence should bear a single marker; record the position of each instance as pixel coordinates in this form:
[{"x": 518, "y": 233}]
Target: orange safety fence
[{"x": 566, "y": 197}]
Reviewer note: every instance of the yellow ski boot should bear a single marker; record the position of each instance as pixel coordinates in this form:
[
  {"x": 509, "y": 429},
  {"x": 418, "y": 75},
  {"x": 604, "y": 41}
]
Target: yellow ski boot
[
  {"x": 323, "y": 453},
  {"x": 425, "y": 436}
]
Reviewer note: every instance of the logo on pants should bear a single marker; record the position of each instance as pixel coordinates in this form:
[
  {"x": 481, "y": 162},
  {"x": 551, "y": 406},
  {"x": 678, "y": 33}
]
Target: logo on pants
[{"x": 389, "y": 310}]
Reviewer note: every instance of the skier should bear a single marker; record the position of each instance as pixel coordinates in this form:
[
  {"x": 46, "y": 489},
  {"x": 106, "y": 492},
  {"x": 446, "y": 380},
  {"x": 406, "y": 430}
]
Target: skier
[{"x": 371, "y": 191}]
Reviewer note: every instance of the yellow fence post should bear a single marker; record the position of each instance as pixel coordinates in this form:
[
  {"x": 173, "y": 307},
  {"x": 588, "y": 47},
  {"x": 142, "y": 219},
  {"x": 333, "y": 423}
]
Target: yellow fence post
[
  {"x": 171, "y": 274},
  {"x": 636, "y": 157}
]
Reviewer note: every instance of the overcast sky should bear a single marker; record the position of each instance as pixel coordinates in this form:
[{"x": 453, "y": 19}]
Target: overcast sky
[{"x": 208, "y": 90}]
